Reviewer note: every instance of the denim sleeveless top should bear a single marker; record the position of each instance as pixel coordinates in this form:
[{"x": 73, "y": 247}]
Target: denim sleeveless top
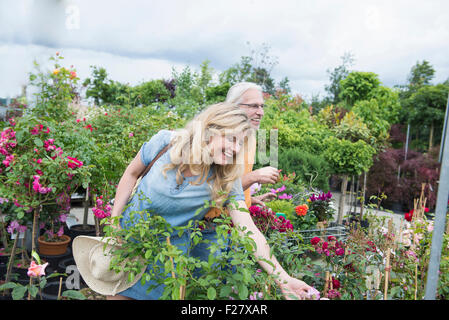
[{"x": 177, "y": 204}]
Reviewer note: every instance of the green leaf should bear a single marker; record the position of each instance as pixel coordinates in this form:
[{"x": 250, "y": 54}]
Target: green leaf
[
  {"x": 18, "y": 292},
  {"x": 8, "y": 285},
  {"x": 243, "y": 292},
  {"x": 211, "y": 293},
  {"x": 73, "y": 294},
  {"x": 43, "y": 282},
  {"x": 36, "y": 257},
  {"x": 20, "y": 214},
  {"x": 33, "y": 291},
  {"x": 225, "y": 291},
  {"x": 38, "y": 142}
]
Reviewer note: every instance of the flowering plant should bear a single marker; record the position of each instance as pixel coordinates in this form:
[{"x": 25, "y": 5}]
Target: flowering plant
[
  {"x": 303, "y": 219},
  {"x": 57, "y": 88},
  {"x": 267, "y": 221},
  {"x": 320, "y": 206},
  {"x": 35, "y": 171}
]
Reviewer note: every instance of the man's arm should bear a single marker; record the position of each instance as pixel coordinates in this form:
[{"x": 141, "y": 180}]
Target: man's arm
[{"x": 265, "y": 175}]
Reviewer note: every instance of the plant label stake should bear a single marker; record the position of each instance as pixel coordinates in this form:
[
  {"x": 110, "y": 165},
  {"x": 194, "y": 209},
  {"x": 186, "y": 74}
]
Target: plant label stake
[
  {"x": 387, "y": 273},
  {"x": 326, "y": 284},
  {"x": 60, "y": 287}
]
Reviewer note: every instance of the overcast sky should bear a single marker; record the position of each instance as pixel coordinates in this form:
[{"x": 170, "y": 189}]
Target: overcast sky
[{"x": 143, "y": 40}]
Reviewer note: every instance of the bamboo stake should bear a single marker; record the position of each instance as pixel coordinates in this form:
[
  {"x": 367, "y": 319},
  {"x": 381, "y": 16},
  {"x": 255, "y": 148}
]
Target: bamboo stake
[
  {"x": 387, "y": 274},
  {"x": 60, "y": 287},
  {"x": 11, "y": 261},
  {"x": 326, "y": 285},
  {"x": 31, "y": 283},
  {"x": 171, "y": 260}
]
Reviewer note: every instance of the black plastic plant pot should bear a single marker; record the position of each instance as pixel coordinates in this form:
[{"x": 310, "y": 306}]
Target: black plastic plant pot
[
  {"x": 53, "y": 261},
  {"x": 50, "y": 291},
  {"x": 81, "y": 230}
]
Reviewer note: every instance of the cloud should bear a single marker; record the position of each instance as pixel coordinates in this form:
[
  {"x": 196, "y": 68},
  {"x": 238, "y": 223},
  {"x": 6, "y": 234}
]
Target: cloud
[{"x": 386, "y": 37}]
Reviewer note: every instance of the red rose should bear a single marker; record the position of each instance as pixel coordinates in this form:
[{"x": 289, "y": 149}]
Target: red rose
[
  {"x": 409, "y": 215},
  {"x": 325, "y": 245},
  {"x": 315, "y": 240},
  {"x": 336, "y": 283}
]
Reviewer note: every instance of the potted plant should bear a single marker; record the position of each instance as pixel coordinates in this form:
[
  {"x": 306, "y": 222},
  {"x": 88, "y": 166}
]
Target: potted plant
[
  {"x": 36, "y": 170},
  {"x": 53, "y": 241}
]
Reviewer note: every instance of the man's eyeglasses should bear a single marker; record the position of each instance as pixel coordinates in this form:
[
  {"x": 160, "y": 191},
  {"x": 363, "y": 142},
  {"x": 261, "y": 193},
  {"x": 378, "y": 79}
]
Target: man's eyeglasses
[{"x": 253, "y": 105}]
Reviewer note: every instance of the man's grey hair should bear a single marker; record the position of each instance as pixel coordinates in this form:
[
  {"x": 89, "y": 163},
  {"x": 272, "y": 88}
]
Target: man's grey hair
[{"x": 236, "y": 92}]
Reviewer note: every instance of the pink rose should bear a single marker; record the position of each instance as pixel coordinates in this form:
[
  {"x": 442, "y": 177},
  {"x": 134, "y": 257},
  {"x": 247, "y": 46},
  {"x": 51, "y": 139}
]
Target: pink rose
[{"x": 36, "y": 270}]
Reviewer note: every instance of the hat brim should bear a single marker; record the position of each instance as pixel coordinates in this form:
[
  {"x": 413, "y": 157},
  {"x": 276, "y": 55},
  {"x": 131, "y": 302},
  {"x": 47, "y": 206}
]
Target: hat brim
[{"x": 81, "y": 247}]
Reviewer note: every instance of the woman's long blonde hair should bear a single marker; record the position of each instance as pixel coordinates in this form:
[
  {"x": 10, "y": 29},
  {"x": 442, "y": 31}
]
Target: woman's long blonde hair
[{"x": 190, "y": 148}]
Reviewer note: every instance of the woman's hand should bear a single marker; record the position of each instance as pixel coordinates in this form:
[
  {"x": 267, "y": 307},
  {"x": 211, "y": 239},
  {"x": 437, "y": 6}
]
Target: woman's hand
[
  {"x": 294, "y": 288},
  {"x": 264, "y": 197}
]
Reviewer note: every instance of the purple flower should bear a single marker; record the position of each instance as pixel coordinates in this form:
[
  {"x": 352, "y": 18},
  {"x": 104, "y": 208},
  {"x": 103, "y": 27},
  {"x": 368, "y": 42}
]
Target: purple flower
[
  {"x": 14, "y": 225},
  {"x": 60, "y": 231}
]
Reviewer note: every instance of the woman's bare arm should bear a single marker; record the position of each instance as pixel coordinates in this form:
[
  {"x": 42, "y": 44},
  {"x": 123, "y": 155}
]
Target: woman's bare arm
[
  {"x": 126, "y": 185},
  {"x": 288, "y": 284}
]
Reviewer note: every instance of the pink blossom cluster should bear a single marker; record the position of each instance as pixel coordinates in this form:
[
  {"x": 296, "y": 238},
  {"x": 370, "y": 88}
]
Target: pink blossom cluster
[
  {"x": 101, "y": 210},
  {"x": 74, "y": 163},
  {"x": 63, "y": 201},
  {"x": 283, "y": 196},
  {"x": 7, "y": 143},
  {"x": 15, "y": 226},
  {"x": 38, "y": 129},
  {"x": 51, "y": 234},
  {"x": 266, "y": 219},
  {"x": 37, "y": 187}
]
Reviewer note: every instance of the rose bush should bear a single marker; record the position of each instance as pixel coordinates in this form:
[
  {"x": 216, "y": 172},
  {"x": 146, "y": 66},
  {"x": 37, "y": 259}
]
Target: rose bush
[{"x": 35, "y": 170}]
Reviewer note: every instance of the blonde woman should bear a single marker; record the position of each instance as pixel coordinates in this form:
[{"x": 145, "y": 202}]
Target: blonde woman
[{"x": 204, "y": 158}]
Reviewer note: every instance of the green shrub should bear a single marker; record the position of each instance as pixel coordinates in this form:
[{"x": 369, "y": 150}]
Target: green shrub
[{"x": 310, "y": 169}]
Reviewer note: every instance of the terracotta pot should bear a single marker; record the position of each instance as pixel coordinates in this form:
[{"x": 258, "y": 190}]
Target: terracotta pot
[{"x": 53, "y": 248}]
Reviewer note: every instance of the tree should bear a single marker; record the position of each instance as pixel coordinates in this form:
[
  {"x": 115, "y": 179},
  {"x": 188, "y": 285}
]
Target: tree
[
  {"x": 335, "y": 76},
  {"x": 358, "y": 86},
  {"x": 204, "y": 78},
  {"x": 421, "y": 74},
  {"x": 238, "y": 72},
  {"x": 284, "y": 84},
  {"x": 261, "y": 76},
  {"x": 104, "y": 90},
  {"x": 426, "y": 107}
]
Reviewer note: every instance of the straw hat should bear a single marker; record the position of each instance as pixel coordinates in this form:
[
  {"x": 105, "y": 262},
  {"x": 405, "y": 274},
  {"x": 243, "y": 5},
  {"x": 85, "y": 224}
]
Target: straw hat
[{"x": 93, "y": 265}]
